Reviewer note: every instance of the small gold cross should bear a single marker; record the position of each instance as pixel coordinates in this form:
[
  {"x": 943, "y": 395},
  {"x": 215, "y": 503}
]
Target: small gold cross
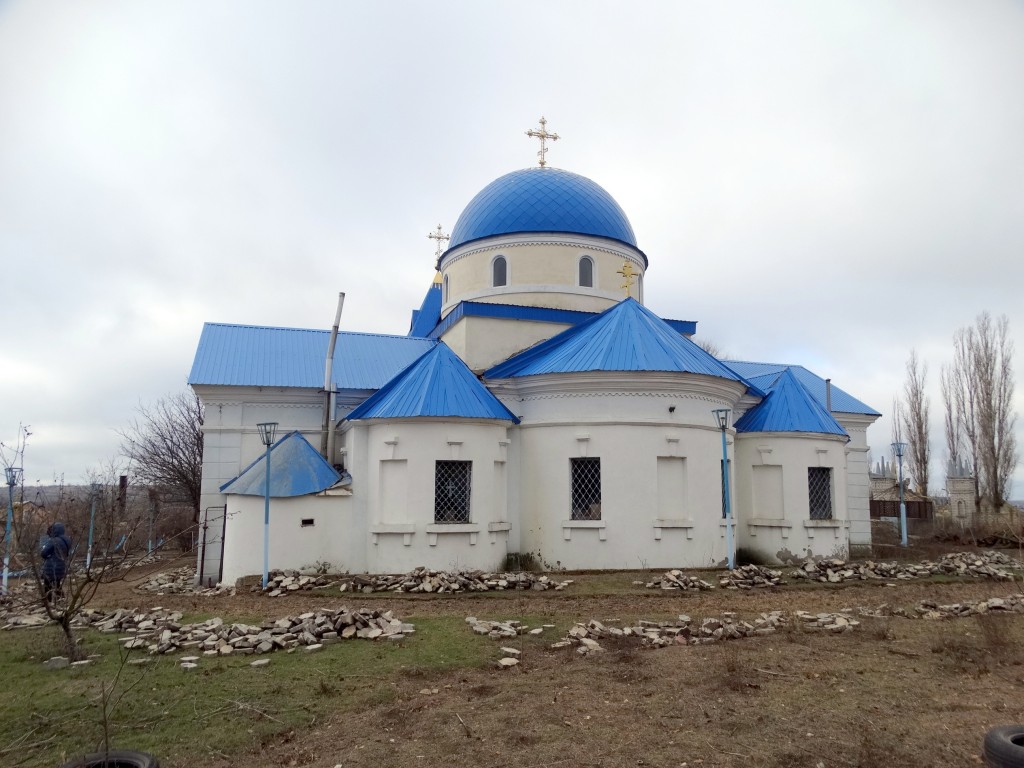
[
  {"x": 441, "y": 237},
  {"x": 542, "y": 134},
  {"x": 628, "y": 273}
]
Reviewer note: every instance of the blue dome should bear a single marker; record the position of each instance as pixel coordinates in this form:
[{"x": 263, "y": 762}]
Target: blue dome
[{"x": 542, "y": 200}]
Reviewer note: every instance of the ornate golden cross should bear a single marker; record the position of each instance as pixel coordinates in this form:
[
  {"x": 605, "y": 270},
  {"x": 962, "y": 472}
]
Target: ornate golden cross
[
  {"x": 441, "y": 237},
  {"x": 543, "y": 135},
  {"x": 628, "y": 274}
]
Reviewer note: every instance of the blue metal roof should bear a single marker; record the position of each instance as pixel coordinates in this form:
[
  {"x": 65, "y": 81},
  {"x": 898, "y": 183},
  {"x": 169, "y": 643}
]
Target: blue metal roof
[
  {"x": 789, "y": 407},
  {"x": 427, "y": 316},
  {"x": 542, "y": 200},
  {"x": 764, "y": 375},
  {"x": 535, "y": 314},
  {"x": 296, "y": 469},
  {"x": 437, "y": 384},
  {"x": 249, "y": 355},
  {"x": 626, "y": 337}
]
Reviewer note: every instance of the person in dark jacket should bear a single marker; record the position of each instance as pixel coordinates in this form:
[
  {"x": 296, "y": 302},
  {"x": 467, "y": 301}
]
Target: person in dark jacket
[{"x": 55, "y": 557}]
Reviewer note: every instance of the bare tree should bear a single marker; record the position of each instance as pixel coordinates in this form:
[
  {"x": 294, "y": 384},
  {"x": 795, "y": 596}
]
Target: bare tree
[
  {"x": 914, "y": 421},
  {"x": 165, "y": 445},
  {"x": 954, "y": 436},
  {"x": 978, "y": 387},
  {"x": 711, "y": 347}
]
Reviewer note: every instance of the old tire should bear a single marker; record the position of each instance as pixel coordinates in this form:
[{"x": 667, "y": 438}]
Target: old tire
[
  {"x": 1004, "y": 747},
  {"x": 115, "y": 758}
]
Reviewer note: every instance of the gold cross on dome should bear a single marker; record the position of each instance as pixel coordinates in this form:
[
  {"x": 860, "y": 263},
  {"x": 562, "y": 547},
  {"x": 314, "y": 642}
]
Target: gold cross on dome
[
  {"x": 543, "y": 135},
  {"x": 441, "y": 237},
  {"x": 628, "y": 273}
]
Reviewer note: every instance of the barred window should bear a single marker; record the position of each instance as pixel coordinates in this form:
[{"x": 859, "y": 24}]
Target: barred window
[
  {"x": 451, "y": 491},
  {"x": 819, "y": 492},
  {"x": 499, "y": 269},
  {"x": 586, "y": 489}
]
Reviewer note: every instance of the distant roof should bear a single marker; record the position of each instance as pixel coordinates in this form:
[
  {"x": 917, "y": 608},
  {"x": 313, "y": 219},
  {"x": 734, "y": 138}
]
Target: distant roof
[
  {"x": 534, "y": 314},
  {"x": 542, "y": 200},
  {"x": 437, "y": 384},
  {"x": 426, "y": 317},
  {"x": 789, "y": 407},
  {"x": 251, "y": 355},
  {"x": 296, "y": 469},
  {"x": 625, "y": 337},
  {"x": 764, "y": 375}
]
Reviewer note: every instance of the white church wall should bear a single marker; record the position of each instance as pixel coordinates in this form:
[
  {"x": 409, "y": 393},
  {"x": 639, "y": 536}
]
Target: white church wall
[
  {"x": 396, "y": 483},
  {"x": 540, "y": 272},
  {"x": 858, "y": 498},
  {"x": 484, "y": 341},
  {"x": 231, "y": 442},
  {"x": 772, "y": 500},
  {"x": 305, "y": 531}
]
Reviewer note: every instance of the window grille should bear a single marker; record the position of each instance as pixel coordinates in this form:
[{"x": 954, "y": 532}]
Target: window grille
[
  {"x": 586, "y": 489},
  {"x": 586, "y": 272},
  {"x": 451, "y": 491},
  {"x": 819, "y": 492},
  {"x": 499, "y": 272},
  {"x": 721, "y": 469}
]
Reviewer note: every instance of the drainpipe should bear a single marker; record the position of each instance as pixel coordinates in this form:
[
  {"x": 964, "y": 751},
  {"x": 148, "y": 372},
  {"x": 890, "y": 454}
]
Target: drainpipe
[
  {"x": 828, "y": 395},
  {"x": 327, "y": 441}
]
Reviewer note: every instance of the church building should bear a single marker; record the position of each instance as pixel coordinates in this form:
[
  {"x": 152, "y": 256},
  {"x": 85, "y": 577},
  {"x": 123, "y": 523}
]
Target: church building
[{"x": 535, "y": 406}]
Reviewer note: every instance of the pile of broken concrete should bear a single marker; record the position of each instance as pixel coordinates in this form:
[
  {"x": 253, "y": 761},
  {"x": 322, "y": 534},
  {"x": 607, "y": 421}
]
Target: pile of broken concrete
[
  {"x": 426, "y": 580},
  {"x": 160, "y": 632},
  {"x": 979, "y": 565},
  {"x": 751, "y": 577},
  {"x": 180, "y": 581},
  {"x": 282, "y": 582},
  {"x": 678, "y": 580}
]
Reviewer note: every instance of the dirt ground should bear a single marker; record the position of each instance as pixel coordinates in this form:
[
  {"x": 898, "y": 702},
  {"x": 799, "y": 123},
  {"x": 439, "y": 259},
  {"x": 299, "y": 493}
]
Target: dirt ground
[{"x": 896, "y": 692}]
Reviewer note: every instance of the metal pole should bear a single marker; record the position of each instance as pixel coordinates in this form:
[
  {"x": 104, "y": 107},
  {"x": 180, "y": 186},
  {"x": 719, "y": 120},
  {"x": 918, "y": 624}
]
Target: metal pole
[
  {"x": 266, "y": 521},
  {"x": 7, "y": 534},
  {"x": 903, "y": 506},
  {"x": 728, "y": 504},
  {"x": 92, "y": 525}
]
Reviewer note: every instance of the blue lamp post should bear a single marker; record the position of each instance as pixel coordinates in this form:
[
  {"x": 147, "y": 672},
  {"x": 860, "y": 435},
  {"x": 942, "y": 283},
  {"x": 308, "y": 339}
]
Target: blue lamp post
[
  {"x": 268, "y": 430},
  {"x": 13, "y": 477},
  {"x": 900, "y": 450},
  {"x": 722, "y": 416}
]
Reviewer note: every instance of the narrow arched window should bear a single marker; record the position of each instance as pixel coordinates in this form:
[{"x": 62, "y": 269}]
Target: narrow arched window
[
  {"x": 499, "y": 272},
  {"x": 586, "y": 272},
  {"x": 445, "y": 291}
]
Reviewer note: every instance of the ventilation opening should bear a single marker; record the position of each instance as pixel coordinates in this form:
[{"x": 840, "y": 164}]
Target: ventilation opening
[{"x": 308, "y": 522}]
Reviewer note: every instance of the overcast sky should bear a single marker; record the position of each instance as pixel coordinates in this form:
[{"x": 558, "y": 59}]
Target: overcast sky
[{"x": 821, "y": 183}]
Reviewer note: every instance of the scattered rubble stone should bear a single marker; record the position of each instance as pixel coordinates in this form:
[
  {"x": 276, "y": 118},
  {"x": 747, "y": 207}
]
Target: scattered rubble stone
[
  {"x": 57, "y": 662},
  {"x": 282, "y": 582},
  {"x": 442, "y": 582},
  {"x": 750, "y": 577},
  {"x": 984, "y": 565},
  {"x": 181, "y": 581},
  {"x": 676, "y": 579},
  {"x": 496, "y": 630}
]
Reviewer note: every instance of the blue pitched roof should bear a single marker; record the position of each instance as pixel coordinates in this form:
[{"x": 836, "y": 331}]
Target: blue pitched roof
[
  {"x": 437, "y": 384},
  {"x": 764, "y": 375},
  {"x": 296, "y": 469},
  {"x": 534, "y": 314},
  {"x": 427, "y": 316},
  {"x": 625, "y": 337},
  {"x": 542, "y": 200},
  {"x": 250, "y": 355},
  {"x": 789, "y": 407}
]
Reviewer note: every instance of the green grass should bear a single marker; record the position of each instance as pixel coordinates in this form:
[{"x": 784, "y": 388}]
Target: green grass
[{"x": 49, "y": 715}]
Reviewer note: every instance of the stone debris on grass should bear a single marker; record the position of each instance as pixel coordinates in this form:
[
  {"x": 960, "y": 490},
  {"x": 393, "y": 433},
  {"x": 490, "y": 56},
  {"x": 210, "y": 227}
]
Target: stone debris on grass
[
  {"x": 284, "y": 582},
  {"x": 160, "y": 632},
  {"x": 980, "y": 565},
  {"x": 428, "y": 581},
  {"x": 929, "y": 609},
  {"x": 677, "y": 579},
  {"x": 751, "y": 577},
  {"x": 181, "y": 581},
  {"x": 496, "y": 630}
]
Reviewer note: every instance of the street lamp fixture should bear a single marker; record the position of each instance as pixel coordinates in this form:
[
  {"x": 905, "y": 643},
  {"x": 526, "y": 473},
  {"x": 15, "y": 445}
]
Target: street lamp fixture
[
  {"x": 722, "y": 417},
  {"x": 267, "y": 430},
  {"x": 900, "y": 449},
  {"x": 13, "y": 477}
]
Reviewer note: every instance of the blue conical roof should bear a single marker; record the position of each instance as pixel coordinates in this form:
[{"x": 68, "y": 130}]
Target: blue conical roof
[
  {"x": 296, "y": 469},
  {"x": 626, "y": 337},
  {"x": 437, "y": 384},
  {"x": 789, "y": 407}
]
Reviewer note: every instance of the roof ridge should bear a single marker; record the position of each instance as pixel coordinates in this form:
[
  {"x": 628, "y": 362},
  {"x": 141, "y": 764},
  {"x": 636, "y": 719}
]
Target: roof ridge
[{"x": 316, "y": 330}]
